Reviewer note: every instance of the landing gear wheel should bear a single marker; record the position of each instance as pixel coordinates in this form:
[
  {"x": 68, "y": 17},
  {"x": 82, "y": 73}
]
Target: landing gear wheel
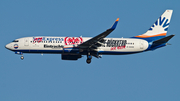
[
  {"x": 22, "y": 57},
  {"x": 88, "y": 61}
]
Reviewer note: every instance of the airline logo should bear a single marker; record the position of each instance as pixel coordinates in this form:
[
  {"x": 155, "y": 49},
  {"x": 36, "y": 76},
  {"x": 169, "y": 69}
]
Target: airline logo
[
  {"x": 16, "y": 46},
  {"x": 73, "y": 40},
  {"x": 163, "y": 22}
]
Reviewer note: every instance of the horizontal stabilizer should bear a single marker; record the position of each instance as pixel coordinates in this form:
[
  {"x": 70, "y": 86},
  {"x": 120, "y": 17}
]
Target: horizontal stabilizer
[{"x": 163, "y": 40}]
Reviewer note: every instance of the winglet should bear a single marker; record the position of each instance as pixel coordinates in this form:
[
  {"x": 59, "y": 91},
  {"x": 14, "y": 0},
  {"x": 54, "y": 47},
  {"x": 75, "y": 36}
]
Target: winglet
[
  {"x": 115, "y": 24},
  {"x": 117, "y": 19}
]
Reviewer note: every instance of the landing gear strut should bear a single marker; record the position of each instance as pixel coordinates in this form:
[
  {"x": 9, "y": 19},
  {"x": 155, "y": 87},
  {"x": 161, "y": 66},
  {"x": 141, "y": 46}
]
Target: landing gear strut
[{"x": 89, "y": 57}]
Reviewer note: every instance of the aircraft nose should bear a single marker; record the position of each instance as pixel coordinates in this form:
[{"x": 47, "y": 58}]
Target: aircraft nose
[{"x": 8, "y": 46}]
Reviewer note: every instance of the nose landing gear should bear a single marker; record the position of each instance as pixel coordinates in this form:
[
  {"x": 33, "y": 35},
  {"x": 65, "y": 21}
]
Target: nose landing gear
[
  {"x": 22, "y": 57},
  {"x": 20, "y": 53}
]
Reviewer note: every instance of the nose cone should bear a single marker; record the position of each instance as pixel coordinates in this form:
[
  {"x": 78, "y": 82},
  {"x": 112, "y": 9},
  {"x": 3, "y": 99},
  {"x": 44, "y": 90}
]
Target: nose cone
[{"x": 9, "y": 46}]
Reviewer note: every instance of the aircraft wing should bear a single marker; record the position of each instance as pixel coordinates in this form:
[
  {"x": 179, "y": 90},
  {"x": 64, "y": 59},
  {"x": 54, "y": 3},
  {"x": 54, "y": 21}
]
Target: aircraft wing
[{"x": 98, "y": 40}]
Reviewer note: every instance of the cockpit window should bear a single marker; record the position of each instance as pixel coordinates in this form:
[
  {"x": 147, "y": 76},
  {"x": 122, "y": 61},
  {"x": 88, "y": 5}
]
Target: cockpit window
[{"x": 15, "y": 41}]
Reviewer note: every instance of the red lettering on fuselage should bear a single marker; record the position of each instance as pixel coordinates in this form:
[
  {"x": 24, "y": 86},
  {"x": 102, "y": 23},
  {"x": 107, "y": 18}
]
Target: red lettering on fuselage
[
  {"x": 38, "y": 39},
  {"x": 118, "y": 48}
]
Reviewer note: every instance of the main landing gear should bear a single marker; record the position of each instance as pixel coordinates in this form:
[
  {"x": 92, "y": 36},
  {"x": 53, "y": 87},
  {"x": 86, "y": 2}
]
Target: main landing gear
[
  {"x": 88, "y": 61},
  {"x": 89, "y": 57}
]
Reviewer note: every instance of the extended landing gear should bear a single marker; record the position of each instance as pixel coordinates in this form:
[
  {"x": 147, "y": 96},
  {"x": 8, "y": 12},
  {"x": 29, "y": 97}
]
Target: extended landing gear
[
  {"x": 22, "y": 57},
  {"x": 89, "y": 57},
  {"x": 88, "y": 61},
  {"x": 20, "y": 53}
]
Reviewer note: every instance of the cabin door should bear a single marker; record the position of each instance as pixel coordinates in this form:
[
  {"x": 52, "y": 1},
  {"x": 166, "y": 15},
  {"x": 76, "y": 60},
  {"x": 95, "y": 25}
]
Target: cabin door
[{"x": 26, "y": 42}]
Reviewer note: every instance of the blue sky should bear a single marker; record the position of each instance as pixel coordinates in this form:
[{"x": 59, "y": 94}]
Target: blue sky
[{"x": 149, "y": 76}]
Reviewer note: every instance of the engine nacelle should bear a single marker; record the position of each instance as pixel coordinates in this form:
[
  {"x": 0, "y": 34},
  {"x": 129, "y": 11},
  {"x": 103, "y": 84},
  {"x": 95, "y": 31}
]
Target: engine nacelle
[
  {"x": 71, "y": 49},
  {"x": 70, "y": 57}
]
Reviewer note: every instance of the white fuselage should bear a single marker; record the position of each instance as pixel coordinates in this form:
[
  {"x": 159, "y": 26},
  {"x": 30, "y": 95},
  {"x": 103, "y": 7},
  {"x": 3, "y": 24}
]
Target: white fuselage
[{"x": 57, "y": 44}]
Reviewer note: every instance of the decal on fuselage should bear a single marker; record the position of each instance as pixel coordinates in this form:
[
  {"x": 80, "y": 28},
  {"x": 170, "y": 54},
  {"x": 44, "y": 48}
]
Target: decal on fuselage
[
  {"x": 16, "y": 46},
  {"x": 118, "y": 48},
  {"x": 73, "y": 40},
  {"x": 53, "y": 46},
  {"x": 116, "y": 44},
  {"x": 40, "y": 39}
]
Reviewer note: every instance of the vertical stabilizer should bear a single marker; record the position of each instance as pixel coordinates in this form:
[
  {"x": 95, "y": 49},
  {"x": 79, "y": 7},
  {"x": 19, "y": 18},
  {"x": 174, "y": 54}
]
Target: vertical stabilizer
[{"x": 160, "y": 27}]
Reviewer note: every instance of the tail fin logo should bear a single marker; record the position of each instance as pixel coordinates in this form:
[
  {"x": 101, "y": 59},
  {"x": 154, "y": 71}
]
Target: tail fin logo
[
  {"x": 163, "y": 23},
  {"x": 160, "y": 27}
]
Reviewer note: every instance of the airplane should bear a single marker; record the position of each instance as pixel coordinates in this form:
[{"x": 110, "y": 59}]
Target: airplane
[{"x": 73, "y": 48}]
